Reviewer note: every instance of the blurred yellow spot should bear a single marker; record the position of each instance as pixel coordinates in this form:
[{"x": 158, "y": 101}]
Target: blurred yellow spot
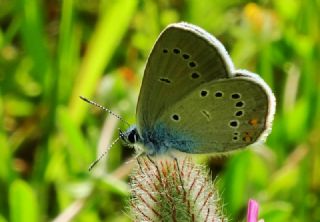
[
  {"x": 261, "y": 19},
  {"x": 253, "y": 13}
]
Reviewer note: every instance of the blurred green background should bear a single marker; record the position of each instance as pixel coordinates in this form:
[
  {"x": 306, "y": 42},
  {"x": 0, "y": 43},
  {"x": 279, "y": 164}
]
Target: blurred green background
[{"x": 53, "y": 51}]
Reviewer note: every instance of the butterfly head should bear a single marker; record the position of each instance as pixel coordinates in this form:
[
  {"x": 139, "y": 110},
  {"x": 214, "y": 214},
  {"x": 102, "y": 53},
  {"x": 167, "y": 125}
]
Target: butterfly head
[{"x": 131, "y": 136}]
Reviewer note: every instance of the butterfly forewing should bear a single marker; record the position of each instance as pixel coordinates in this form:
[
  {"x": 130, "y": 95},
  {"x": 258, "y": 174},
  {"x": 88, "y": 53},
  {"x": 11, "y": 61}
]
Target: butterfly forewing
[{"x": 183, "y": 58}]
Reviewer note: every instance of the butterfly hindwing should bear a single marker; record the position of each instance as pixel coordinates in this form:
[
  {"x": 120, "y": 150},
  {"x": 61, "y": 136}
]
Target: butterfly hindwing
[{"x": 222, "y": 115}]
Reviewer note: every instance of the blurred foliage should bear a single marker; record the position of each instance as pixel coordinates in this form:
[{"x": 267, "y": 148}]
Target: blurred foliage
[{"x": 53, "y": 51}]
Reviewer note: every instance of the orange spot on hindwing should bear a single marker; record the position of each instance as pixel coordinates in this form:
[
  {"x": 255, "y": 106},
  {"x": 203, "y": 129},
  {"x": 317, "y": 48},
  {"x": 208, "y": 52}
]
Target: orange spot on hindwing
[{"x": 253, "y": 122}]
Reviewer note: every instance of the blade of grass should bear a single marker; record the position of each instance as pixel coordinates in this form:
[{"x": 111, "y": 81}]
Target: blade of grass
[
  {"x": 69, "y": 47},
  {"x": 109, "y": 31},
  {"x": 33, "y": 37}
]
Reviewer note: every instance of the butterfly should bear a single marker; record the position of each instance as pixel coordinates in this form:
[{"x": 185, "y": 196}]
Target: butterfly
[{"x": 193, "y": 100}]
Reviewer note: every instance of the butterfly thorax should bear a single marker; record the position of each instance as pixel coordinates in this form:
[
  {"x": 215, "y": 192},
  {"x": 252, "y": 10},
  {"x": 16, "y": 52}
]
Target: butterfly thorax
[{"x": 157, "y": 139}]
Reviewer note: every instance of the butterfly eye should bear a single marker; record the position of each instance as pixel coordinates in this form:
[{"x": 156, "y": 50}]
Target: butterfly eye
[
  {"x": 132, "y": 137},
  {"x": 165, "y": 50}
]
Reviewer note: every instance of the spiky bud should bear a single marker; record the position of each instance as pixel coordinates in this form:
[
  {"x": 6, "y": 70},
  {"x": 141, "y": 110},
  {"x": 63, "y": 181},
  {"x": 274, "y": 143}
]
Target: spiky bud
[{"x": 173, "y": 190}]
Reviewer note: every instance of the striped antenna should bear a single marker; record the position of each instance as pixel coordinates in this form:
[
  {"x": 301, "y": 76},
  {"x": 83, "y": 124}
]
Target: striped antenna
[
  {"x": 115, "y": 141},
  {"x": 104, "y": 108},
  {"x": 103, "y": 154}
]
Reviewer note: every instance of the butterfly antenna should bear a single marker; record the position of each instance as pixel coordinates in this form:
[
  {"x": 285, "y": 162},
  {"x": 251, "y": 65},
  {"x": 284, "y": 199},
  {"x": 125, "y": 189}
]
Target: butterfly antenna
[
  {"x": 103, "y": 154},
  {"x": 104, "y": 108}
]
